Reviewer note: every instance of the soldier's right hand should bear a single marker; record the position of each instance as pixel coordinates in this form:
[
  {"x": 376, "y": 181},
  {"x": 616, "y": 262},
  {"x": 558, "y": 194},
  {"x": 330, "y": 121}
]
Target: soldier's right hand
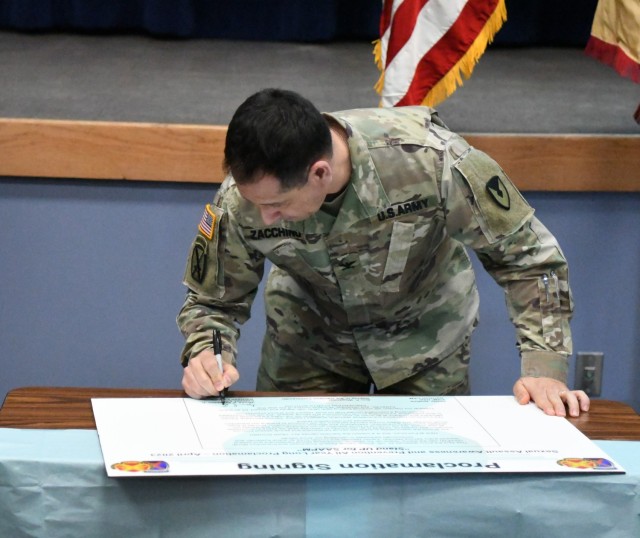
[{"x": 202, "y": 378}]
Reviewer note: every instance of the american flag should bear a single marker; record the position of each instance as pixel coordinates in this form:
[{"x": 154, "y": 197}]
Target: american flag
[
  {"x": 207, "y": 222},
  {"x": 426, "y": 45}
]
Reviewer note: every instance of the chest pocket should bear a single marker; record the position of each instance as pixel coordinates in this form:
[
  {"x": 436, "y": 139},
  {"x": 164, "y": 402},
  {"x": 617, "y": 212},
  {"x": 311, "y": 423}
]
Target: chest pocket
[
  {"x": 384, "y": 258},
  {"x": 316, "y": 270}
]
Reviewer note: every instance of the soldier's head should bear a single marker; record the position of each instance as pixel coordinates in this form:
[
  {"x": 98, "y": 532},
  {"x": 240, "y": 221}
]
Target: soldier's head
[
  {"x": 278, "y": 149},
  {"x": 278, "y": 133}
]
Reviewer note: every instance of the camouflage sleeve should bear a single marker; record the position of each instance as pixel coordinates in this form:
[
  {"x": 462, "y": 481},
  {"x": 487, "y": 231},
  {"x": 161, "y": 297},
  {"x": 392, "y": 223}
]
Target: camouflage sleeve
[
  {"x": 485, "y": 211},
  {"x": 222, "y": 276}
]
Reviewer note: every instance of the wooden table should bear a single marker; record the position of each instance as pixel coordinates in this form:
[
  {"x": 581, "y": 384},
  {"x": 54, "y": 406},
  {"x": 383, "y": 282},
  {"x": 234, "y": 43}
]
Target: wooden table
[{"x": 70, "y": 408}]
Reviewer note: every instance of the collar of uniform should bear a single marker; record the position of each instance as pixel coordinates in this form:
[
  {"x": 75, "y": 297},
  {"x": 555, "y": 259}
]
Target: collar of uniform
[{"x": 365, "y": 194}]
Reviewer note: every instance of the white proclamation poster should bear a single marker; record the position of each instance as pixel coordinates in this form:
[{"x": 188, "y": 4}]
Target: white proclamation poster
[{"x": 338, "y": 435}]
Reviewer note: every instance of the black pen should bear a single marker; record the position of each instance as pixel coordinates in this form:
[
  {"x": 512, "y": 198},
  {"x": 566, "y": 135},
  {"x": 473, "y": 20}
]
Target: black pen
[{"x": 217, "y": 350}]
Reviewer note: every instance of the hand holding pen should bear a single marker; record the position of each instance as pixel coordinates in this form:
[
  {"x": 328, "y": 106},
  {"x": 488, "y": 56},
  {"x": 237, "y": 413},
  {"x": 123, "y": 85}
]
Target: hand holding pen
[
  {"x": 202, "y": 368},
  {"x": 217, "y": 350}
]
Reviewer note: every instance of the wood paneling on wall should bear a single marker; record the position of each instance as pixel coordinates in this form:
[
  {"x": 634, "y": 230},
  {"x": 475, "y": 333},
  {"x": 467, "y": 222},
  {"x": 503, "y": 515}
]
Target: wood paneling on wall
[{"x": 194, "y": 153}]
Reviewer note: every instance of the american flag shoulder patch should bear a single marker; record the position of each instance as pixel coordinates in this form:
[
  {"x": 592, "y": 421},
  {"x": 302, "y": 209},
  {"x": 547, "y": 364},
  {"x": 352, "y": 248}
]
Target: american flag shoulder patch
[{"x": 207, "y": 222}]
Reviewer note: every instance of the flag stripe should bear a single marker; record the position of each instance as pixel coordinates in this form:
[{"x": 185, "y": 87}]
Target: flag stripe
[
  {"x": 402, "y": 27},
  {"x": 432, "y": 23},
  {"x": 430, "y": 42},
  {"x": 445, "y": 54},
  {"x": 614, "y": 56},
  {"x": 615, "y": 36},
  {"x": 389, "y": 9},
  {"x": 385, "y": 17}
]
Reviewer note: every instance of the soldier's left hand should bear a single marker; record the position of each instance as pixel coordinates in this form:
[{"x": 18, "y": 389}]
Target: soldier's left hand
[{"x": 551, "y": 395}]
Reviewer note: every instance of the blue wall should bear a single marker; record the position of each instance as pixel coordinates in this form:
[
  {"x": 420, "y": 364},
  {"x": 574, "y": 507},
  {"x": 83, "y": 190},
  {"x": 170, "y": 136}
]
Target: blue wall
[{"x": 91, "y": 284}]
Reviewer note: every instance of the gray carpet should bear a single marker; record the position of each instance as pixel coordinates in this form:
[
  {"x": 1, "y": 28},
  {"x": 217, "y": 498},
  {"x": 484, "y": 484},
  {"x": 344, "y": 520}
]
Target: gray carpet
[{"x": 142, "y": 79}]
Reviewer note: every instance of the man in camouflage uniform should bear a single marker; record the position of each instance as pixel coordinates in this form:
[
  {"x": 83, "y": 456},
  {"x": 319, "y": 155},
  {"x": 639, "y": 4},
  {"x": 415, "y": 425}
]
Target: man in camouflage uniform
[{"x": 365, "y": 215}]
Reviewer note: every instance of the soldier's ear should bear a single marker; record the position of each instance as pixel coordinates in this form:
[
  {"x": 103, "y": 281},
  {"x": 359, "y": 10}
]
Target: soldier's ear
[{"x": 321, "y": 173}]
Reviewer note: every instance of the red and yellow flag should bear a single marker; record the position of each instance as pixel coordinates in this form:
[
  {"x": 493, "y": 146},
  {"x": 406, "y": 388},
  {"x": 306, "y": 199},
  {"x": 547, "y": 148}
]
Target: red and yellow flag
[
  {"x": 615, "y": 38},
  {"x": 426, "y": 45}
]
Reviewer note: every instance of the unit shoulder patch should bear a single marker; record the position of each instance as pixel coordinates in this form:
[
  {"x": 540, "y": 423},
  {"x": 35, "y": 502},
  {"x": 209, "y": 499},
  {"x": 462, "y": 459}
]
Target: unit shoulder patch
[
  {"x": 496, "y": 202},
  {"x": 198, "y": 260},
  {"x": 498, "y": 191}
]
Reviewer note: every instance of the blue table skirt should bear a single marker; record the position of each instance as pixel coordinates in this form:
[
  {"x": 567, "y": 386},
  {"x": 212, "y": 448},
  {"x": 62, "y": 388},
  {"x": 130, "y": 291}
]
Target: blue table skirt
[{"x": 53, "y": 484}]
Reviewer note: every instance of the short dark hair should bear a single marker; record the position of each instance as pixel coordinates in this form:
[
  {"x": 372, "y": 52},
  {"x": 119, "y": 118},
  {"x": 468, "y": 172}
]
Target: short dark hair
[{"x": 276, "y": 132}]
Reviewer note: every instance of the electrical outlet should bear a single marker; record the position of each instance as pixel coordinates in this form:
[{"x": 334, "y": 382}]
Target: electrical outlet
[{"x": 589, "y": 372}]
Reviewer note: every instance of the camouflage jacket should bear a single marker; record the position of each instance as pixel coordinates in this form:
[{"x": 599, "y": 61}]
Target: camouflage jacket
[{"x": 391, "y": 269}]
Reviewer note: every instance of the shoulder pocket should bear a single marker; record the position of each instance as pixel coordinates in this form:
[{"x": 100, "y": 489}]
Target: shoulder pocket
[
  {"x": 205, "y": 269},
  {"x": 496, "y": 202}
]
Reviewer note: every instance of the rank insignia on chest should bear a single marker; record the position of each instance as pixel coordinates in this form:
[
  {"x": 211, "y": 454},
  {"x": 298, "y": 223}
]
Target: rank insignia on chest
[{"x": 207, "y": 222}]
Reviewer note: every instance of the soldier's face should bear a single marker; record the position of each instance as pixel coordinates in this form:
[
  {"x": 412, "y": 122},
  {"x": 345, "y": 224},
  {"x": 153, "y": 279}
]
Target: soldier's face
[{"x": 275, "y": 204}]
